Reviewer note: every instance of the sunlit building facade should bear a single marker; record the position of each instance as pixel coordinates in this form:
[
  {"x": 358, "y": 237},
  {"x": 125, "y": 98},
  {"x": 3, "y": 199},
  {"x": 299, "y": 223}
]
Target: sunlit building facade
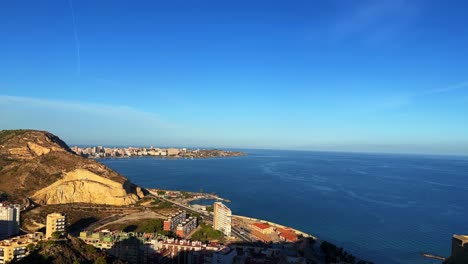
[{"x": 222, "y": 218}]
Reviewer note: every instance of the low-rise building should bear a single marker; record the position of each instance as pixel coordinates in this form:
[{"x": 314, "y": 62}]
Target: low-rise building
[
  {"x": 224, "y": 255},
  {"x": 262, "y": 231},
  {"x": 131, "y": 247},
  {"x": 287, "y": 234},
  {"x": 16, "y": 248},
  {"x": 263, "y": 228}
]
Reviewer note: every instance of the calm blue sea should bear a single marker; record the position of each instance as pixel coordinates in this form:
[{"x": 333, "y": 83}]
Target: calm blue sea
[{"x": 381, "y": 207}]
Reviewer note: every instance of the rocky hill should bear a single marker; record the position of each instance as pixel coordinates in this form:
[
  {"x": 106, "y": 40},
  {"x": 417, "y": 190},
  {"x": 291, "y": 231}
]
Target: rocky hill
[{"x": 39, "y": 165}]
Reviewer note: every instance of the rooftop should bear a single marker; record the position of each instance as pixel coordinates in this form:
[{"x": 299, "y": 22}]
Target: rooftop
[
  {"x": 23, "y": 240},
  {"x": 462, "y": 238},
  {"x": 262, "y": 225}
]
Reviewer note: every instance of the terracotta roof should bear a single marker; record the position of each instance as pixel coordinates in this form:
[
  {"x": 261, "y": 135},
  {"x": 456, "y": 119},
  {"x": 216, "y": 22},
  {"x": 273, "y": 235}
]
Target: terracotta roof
[
  {"x": 262, "y": 225},
  {"x": 289, "y": 235}
]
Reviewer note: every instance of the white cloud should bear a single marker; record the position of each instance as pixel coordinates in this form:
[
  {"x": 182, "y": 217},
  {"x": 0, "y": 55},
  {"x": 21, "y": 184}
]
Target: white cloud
[
  {"x": 373, "y": 21},
  {"x": 462, "y": 85}
]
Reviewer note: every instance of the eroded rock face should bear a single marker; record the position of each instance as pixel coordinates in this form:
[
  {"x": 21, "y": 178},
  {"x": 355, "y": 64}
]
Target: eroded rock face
[
  {"x": 33, "y": 144},
  {"x": 40, "y": 165},
  {"x": 83, "y": 186}
]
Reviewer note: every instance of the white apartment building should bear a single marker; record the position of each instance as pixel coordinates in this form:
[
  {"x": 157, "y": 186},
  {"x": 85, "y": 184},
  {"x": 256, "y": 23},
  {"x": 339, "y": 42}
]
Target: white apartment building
[
  {"x": 222, "y": 218},
  {"x": 9, "y": 220}
]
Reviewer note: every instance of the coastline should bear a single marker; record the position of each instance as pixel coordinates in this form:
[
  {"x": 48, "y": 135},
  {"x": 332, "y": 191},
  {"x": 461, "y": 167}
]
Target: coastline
[
  {"x": 166, "y": 158},
  {"x": 298, "y": 232}
]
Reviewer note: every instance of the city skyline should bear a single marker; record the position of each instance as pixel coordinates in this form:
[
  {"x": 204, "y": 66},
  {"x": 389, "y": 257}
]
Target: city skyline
[{"x": 363, "y": 76}]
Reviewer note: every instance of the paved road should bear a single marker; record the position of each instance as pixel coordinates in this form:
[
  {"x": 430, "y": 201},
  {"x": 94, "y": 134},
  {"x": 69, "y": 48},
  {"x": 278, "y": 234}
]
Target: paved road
[{"x": 235, "y": 231}]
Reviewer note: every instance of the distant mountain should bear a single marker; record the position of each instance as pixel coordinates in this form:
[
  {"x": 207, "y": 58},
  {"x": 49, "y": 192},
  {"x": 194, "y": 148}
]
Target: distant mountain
[{"x": 39, "y": 165}]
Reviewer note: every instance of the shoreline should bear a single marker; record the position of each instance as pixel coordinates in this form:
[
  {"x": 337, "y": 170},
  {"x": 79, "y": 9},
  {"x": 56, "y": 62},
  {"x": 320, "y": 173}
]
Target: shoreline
[
  {"x": 164, "y": 158},
  {"x": 298, "y": 232},
  {"x": 208, "y": 196}
]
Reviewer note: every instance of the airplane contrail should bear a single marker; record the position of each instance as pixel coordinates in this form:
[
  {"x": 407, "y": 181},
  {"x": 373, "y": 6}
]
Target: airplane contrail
[{"x": 77, "y": 41}]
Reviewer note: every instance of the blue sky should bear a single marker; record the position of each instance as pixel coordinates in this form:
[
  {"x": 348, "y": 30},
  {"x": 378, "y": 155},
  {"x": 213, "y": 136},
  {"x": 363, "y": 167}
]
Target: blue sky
[{"x": 386, "y": 76}]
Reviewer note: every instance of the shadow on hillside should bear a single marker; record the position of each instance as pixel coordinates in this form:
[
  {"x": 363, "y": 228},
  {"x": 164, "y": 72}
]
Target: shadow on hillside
[
  {"x": 80, "y": 224},
  {"x": 130, "y": 228}
]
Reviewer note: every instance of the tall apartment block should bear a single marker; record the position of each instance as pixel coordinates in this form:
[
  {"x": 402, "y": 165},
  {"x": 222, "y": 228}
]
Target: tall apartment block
[
  {"x": 9, "y": 220},
  {"x": 56, "y": 222},
  {"x": 222, "y": 218}
]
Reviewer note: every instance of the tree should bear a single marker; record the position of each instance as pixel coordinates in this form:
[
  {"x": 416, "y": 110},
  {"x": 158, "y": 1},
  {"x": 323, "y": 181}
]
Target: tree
[
  {"x": 207, "y": 233},
  {"x": 90, "y": 249},
  {"x": 30, "y": 247},
  {"x": 160, "y": 192},
  {"x": 152, "y": 226},
  {"x": 100, "y": 260},
  {"x": 56, "y": 235}
]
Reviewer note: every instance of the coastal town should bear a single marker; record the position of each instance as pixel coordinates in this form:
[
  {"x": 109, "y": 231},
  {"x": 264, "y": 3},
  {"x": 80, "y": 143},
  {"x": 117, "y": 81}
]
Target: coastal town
[
  {"x": 105, "y": 152},
  {"x": 167, "y": 227},
  {"x": 57, "y": 207}
]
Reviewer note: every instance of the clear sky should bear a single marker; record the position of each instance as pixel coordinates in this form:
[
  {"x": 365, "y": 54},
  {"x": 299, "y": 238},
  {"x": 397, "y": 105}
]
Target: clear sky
[{"x": 387, "y": 76}]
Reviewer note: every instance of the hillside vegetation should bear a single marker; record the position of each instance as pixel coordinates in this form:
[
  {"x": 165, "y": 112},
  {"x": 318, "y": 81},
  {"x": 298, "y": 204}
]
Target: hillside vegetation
[
  {"x": 39, "y": 165},
  {"x": 69, "y": 251}
]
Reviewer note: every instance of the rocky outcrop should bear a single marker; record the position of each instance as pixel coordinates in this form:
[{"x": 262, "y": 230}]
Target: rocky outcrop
[
  {"x": 39, "y": 165},
  {"x": 84, "y": 186},
  {"x": 24, "y": 144}
]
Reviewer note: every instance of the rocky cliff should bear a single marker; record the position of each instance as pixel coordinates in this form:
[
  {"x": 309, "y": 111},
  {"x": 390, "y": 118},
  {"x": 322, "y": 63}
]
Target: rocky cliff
[{"x": 39, "y": 165}]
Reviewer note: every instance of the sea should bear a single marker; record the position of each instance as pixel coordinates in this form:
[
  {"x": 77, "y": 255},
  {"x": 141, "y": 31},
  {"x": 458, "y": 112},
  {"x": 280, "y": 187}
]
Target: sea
[{"x": 385, "y": 208}]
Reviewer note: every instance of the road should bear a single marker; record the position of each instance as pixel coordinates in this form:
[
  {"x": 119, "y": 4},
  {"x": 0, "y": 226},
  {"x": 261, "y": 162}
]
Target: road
[{"x": 234, "y": 230}]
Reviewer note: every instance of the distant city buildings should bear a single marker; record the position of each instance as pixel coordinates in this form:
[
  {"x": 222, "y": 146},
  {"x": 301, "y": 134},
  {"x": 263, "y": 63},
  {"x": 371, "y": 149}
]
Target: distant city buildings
[
  {"x": 55, "y": 222},
  {"x": 102, "y": 152},
  {"x": 9, "y": 220},
  {"x": 222, "y": 218},
  {"x": 173, "y": 151}
]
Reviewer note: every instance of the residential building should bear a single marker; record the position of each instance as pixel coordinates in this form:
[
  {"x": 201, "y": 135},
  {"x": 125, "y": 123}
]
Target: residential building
[
  {"x": 287, "y": 234},
  {"x": 16, "y": 248},
  {"x": 186, "y": 227},
  {"x": 222, "y": 218},
  {"x": 225, "y": 255},
  {"x": 172, "y": 151},
  {"x": 9, "y": 220},
  {"x": 56, "y": 222},
  {"x": 262, "y": 231},
  {"x": 173, "y": 221},
  {"x": 459, "y": 250}
]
